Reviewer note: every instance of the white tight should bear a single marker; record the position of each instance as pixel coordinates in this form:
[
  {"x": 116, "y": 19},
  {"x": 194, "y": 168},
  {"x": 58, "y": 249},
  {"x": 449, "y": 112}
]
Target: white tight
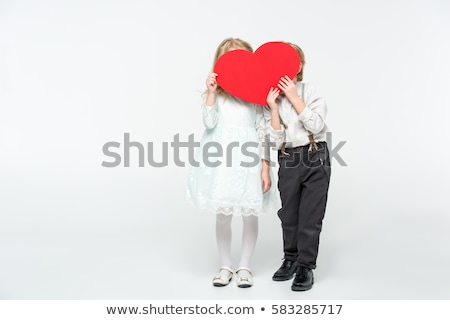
[{"x": 224, "y": 235}]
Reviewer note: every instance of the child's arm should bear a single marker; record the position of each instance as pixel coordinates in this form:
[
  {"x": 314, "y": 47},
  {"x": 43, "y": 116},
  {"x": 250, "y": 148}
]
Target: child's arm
[
  {"x": 312, "y": 115},
  {"x": 210, "y": 116},
  {"x": 276, "y": 130},
  {"x": 290, "y": 91},
  {"x": 266, "y": 181},
  {"x": 210, "y": 106},
  {"x": 261, "y": 129}
]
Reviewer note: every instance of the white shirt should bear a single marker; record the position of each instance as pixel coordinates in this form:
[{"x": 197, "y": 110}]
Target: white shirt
[{"x": 295, "y": 128}]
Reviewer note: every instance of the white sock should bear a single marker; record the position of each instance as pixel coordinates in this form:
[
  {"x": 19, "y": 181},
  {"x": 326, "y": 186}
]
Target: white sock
[
  {"x": 249, "y": 237},
  {"x": 223, "y": 238}
]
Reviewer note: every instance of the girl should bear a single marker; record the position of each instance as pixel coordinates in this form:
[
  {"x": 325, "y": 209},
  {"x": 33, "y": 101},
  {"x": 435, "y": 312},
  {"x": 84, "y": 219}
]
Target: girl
[
  {"x": 296, "y": 123},
  {"x": 239, "y": 185}
]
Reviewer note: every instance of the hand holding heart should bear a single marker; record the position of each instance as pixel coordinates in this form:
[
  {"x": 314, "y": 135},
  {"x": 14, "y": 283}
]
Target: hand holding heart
[
  {"x": 272, "y": 97},
  {"x": 249, "y": 76},
  {"x": 289, "y": 89},
  {"x": 211, "y": 83}
]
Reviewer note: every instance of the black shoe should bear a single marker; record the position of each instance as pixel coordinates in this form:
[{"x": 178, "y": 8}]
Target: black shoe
[
  {"x": 286, "y": 271},
  {"x": 304, "y": 279}
]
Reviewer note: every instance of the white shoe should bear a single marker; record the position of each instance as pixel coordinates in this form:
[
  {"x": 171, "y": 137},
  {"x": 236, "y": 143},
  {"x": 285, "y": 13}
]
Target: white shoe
[
  {"x": 221, "y": 281},
  {"x": 244, "y": 282}
]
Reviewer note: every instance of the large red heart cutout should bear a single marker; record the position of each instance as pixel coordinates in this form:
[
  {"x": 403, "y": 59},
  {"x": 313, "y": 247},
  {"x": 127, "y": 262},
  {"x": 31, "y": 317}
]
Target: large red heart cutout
[{"x": 249, "y": 76}]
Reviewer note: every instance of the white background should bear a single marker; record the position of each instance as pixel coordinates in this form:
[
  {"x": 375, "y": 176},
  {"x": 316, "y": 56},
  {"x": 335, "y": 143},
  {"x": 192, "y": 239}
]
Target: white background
[{"x": 77, "y": 74}]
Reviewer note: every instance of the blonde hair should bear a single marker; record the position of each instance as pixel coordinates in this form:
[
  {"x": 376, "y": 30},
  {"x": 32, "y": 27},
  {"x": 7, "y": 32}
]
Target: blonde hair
[
  {"x": 301, "y": 54},
  {"x": 223, "y": 48}
]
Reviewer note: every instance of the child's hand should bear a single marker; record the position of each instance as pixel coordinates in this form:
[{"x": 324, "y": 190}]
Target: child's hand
[
  {"x": 289, "y": 88},
  {"x": 271, "y": 98},
  {"x": 265, "y": 180},
  {"x": 211, "y": 83}
]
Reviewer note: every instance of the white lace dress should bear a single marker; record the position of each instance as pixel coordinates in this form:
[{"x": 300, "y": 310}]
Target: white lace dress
[{"x": 227, "y": 178}]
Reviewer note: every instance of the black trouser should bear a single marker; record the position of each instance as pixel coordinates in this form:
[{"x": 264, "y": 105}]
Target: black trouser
[{"x": 303, "y": 180}]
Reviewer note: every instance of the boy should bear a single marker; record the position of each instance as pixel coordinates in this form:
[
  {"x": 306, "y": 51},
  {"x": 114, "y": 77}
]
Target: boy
[{"x": 296, "y": 123}]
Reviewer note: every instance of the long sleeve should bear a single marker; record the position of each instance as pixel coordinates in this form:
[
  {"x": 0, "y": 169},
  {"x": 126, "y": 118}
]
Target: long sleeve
[
  {"x": 262, "y": 133},
  {"x": 313, "y": 116},
  {"x": 276, "y": 137},
  {"x": 210, "y": 114}
]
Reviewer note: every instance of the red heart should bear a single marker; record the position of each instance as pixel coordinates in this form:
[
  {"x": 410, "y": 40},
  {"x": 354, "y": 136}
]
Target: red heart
[{"x": 249, "y": 76}]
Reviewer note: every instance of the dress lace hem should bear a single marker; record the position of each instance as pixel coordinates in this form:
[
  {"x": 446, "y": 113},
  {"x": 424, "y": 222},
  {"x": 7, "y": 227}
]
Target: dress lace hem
[{"x": 216, "y": 208}]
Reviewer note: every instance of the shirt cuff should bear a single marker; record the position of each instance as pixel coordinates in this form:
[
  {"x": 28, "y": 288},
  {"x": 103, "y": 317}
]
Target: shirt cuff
[
  {"x": 265, "y": 154},
  {"x": 305, "y": 115},
  {"x": 276, "y": 133}
]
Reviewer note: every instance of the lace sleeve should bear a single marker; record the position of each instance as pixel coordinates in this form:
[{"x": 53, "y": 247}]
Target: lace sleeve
[
  {"x": 275, "y": 137},
  {"x": 262, "y": 134},
  {"x": 210, "y": 115}
]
